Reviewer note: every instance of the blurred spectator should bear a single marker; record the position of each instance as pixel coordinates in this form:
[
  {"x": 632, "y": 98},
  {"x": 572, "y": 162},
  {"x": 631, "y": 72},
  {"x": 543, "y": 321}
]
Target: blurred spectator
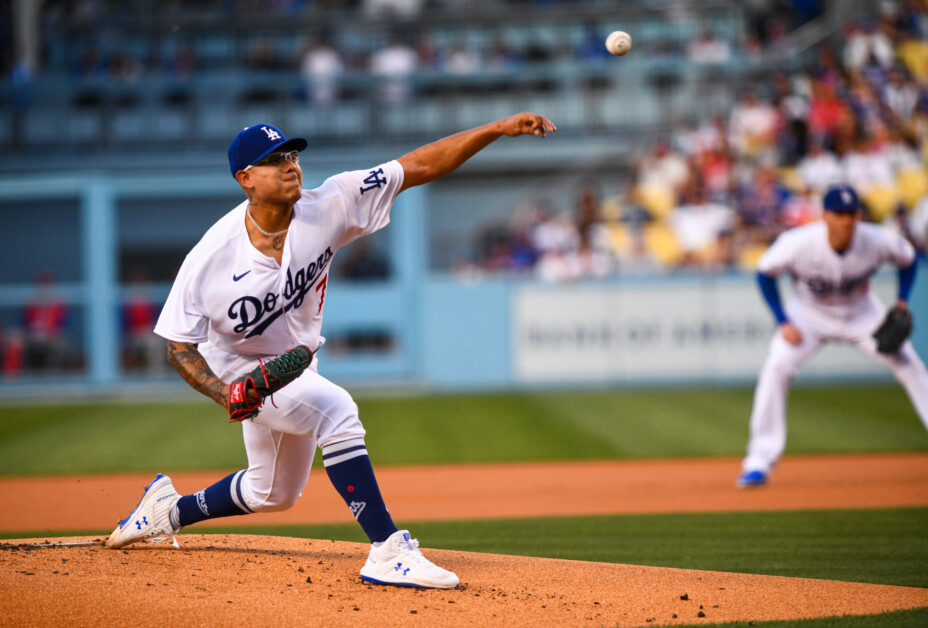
[
  {"x": 263, "y": 55},
  {"x": 46, "y": 317},
  {"x": 11, "y": 350},
  {"x": 753, "y": 126},
  {"x": 801, "y": 208},
  {"x": 827, "y": 113},
  {"x": 865, "y": 42},
  {"x": 462, "y": 60},
  {"x": 867, "y": 165},
  {"x": 361, "y": 262},
  {"x": 708, "y": 49},
  {"x": 142, "y": 349},
  {"x": 900, "y": 94},
  {"x": 662, "y": 168},
  {"x": 394, "y": 65},
  {"x": 551, "y": 233},
  {"x": 592, "y": 48},
  {"x": 792, "y": 103},
  {"x": 591, "y": 230},
  {"x": 760, "y": 204},
  {"x": 819, "y": 168},
  {"x": 393, "y": 8},
  {"x": 501, "y": 56},
  {"x": 697, "y": 224},
  {"x": 866, "y": 107},
  {"x": 321, "y": 67}
]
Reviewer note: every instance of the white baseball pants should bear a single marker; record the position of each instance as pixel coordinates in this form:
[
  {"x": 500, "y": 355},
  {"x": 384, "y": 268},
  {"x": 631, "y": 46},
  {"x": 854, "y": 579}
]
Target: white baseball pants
[
  {"x": 768, "y": 416},
  {"x": 281, "y": 441}
]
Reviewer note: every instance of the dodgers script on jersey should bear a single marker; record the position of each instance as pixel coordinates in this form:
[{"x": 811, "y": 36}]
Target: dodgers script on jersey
[
  {"x": 239, "y": 304},
  {"x": 826, "y": 279}
]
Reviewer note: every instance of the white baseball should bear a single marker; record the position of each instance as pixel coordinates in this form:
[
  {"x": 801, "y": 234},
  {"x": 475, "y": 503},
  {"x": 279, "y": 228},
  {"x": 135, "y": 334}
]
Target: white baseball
[{"x": 618, "y": 43}]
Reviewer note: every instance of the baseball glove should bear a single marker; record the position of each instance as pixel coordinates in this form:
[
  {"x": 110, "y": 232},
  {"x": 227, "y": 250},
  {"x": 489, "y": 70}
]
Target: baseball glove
[
  {"x": 266, "y": 379},
  {"x": 894, "y": 330}
]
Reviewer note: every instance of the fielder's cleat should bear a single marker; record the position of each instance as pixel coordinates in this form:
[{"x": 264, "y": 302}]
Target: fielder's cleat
[
  {"x": 151, "y": 518},
  {"x": 399, "y": 562},
  {"x": 752, "y": 479}
]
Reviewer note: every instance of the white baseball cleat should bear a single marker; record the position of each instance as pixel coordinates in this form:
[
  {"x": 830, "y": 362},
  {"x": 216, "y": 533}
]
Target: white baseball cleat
[
  {"x": 151, "y": 518},
  {"x": 399, "y": 562}
]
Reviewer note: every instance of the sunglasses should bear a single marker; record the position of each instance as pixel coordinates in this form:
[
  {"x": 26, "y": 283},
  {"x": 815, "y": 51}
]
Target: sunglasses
[{"x": 277, "y": 159}]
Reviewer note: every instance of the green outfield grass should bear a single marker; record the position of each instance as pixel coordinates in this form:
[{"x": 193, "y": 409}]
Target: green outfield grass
[{"x": 119, "y": 437}]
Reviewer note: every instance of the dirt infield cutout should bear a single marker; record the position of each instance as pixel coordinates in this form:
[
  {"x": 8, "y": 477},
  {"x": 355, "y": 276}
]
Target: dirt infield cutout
[{"x": 226, "y": 580}]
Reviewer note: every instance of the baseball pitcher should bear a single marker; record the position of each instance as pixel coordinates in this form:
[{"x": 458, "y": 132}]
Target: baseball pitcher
[{"x": 243, "y": 322}]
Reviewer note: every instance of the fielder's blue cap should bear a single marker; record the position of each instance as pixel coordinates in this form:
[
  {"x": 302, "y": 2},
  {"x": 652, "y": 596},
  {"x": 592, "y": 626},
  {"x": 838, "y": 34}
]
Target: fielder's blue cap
[
  {"x": 256, "y": 142},
  {"x": 841, "y": 198}
]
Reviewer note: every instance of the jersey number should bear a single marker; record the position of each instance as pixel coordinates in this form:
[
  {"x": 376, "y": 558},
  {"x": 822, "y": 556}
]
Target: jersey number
[{"x": 320, "y": 287}]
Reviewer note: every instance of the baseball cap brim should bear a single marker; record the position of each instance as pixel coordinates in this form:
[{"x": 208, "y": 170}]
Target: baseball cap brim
[{"x": 294, "y": 143}]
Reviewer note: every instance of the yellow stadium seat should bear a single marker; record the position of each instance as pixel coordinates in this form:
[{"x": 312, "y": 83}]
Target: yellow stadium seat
[
  {"x": 619, "y": 238},
  {"x": 914, "y": 54},
  {"x": 663, "y": 244},
  {"x": 750, "y": 255},
  {"x": 881, "y": 201},
  {"x": 659, "y": 201},
  {"x": 791, "y": 179},
  {"x": 912, "y": 185}
]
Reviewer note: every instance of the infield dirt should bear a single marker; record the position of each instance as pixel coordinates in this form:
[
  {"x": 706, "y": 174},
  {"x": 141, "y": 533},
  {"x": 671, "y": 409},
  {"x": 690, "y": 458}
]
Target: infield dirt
[{"x": 220, "y": 580}]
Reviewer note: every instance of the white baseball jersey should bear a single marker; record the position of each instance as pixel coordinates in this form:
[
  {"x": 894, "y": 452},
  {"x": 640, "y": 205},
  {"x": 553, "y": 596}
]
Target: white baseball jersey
[
  {"x": 833, "y": 302},
  {"x": 825, "y": 279},
  {"x": 238, "y": 304}
]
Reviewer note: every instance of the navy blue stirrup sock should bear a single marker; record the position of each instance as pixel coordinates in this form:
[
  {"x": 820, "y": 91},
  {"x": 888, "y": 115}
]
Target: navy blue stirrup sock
[
  {"x": 352, "y": 475},
  {"x": 222, "y": 499}
]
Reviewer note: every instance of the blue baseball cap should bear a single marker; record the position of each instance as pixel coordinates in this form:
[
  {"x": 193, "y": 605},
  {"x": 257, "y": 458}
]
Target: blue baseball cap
[
  {"x": 256, "y": 142},
  {"x": 841, "y": 198}
]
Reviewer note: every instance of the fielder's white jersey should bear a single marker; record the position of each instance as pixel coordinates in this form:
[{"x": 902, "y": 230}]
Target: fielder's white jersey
[
  {"x": 829, "y": 281},
  {"x": 238, "y": 304}
]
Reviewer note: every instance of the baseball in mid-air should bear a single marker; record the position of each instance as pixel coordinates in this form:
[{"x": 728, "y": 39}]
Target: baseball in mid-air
[{"x": 618, "y": 43}]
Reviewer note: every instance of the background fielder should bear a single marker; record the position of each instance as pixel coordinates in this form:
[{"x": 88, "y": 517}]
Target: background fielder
[
  {"x": 252, "y": 288},
  {"x": 831, "y": 262}
]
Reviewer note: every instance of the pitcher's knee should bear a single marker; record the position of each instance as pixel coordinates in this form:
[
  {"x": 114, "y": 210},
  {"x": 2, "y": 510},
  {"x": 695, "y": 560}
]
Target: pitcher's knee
[
  {"x": 278, "y": 501},
  {"x": 259, "y": 497}
]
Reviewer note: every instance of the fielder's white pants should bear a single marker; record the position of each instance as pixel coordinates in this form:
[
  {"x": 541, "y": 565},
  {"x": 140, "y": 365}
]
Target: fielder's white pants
[{"x": 856, "y": 326}]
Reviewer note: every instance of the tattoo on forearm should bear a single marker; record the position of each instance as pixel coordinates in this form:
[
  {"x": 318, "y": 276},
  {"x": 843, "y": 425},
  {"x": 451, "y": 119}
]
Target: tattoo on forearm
[{"x": 189, "y": 362}]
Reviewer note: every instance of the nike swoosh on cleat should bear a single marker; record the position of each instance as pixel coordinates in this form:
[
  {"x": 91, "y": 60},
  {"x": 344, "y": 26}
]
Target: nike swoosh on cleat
[{"x": 237, "y": 277}]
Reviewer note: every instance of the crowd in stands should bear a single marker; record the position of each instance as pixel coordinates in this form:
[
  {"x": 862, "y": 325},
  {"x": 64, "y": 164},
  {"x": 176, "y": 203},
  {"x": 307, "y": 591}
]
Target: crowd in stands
[
  {"x": 400, "y": 46},
  {"x": 711, "y": 195},
  {"x": 42, "y": 335}
]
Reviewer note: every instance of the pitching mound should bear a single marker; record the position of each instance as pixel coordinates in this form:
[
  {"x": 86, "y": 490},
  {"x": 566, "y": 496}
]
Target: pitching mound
[{"x": 227, "y": 580}]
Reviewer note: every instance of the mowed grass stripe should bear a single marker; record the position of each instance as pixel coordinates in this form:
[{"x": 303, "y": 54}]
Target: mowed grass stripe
[{"x": 511, "y": 427}]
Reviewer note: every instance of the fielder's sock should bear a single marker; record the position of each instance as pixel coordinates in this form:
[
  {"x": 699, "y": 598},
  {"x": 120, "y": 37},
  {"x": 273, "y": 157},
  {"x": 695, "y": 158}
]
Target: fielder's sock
[
  {"x": 350, "y": 471},
  {"x": 222, "y": 499}
]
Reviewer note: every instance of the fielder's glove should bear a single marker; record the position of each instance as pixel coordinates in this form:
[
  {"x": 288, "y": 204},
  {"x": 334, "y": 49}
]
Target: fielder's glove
[
  {"x": 266, "y": 379},
  {"x": 894, "y": 330}
]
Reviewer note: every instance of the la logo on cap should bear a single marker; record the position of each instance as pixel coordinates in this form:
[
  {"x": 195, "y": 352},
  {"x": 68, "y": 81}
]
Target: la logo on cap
[{"x": 271, "y": 133}]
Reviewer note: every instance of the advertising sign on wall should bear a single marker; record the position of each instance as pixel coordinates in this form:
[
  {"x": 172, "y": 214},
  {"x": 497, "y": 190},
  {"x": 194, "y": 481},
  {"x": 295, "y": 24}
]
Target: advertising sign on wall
[{"x": 716, "y": 330}]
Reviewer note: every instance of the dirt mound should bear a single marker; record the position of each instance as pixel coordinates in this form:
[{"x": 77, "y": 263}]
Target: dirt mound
[{"x": 226, "y": 580}]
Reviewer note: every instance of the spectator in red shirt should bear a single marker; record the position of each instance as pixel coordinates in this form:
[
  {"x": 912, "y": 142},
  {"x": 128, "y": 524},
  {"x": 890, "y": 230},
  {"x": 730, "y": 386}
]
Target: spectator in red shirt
[{"x": 45, "y": 321}]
